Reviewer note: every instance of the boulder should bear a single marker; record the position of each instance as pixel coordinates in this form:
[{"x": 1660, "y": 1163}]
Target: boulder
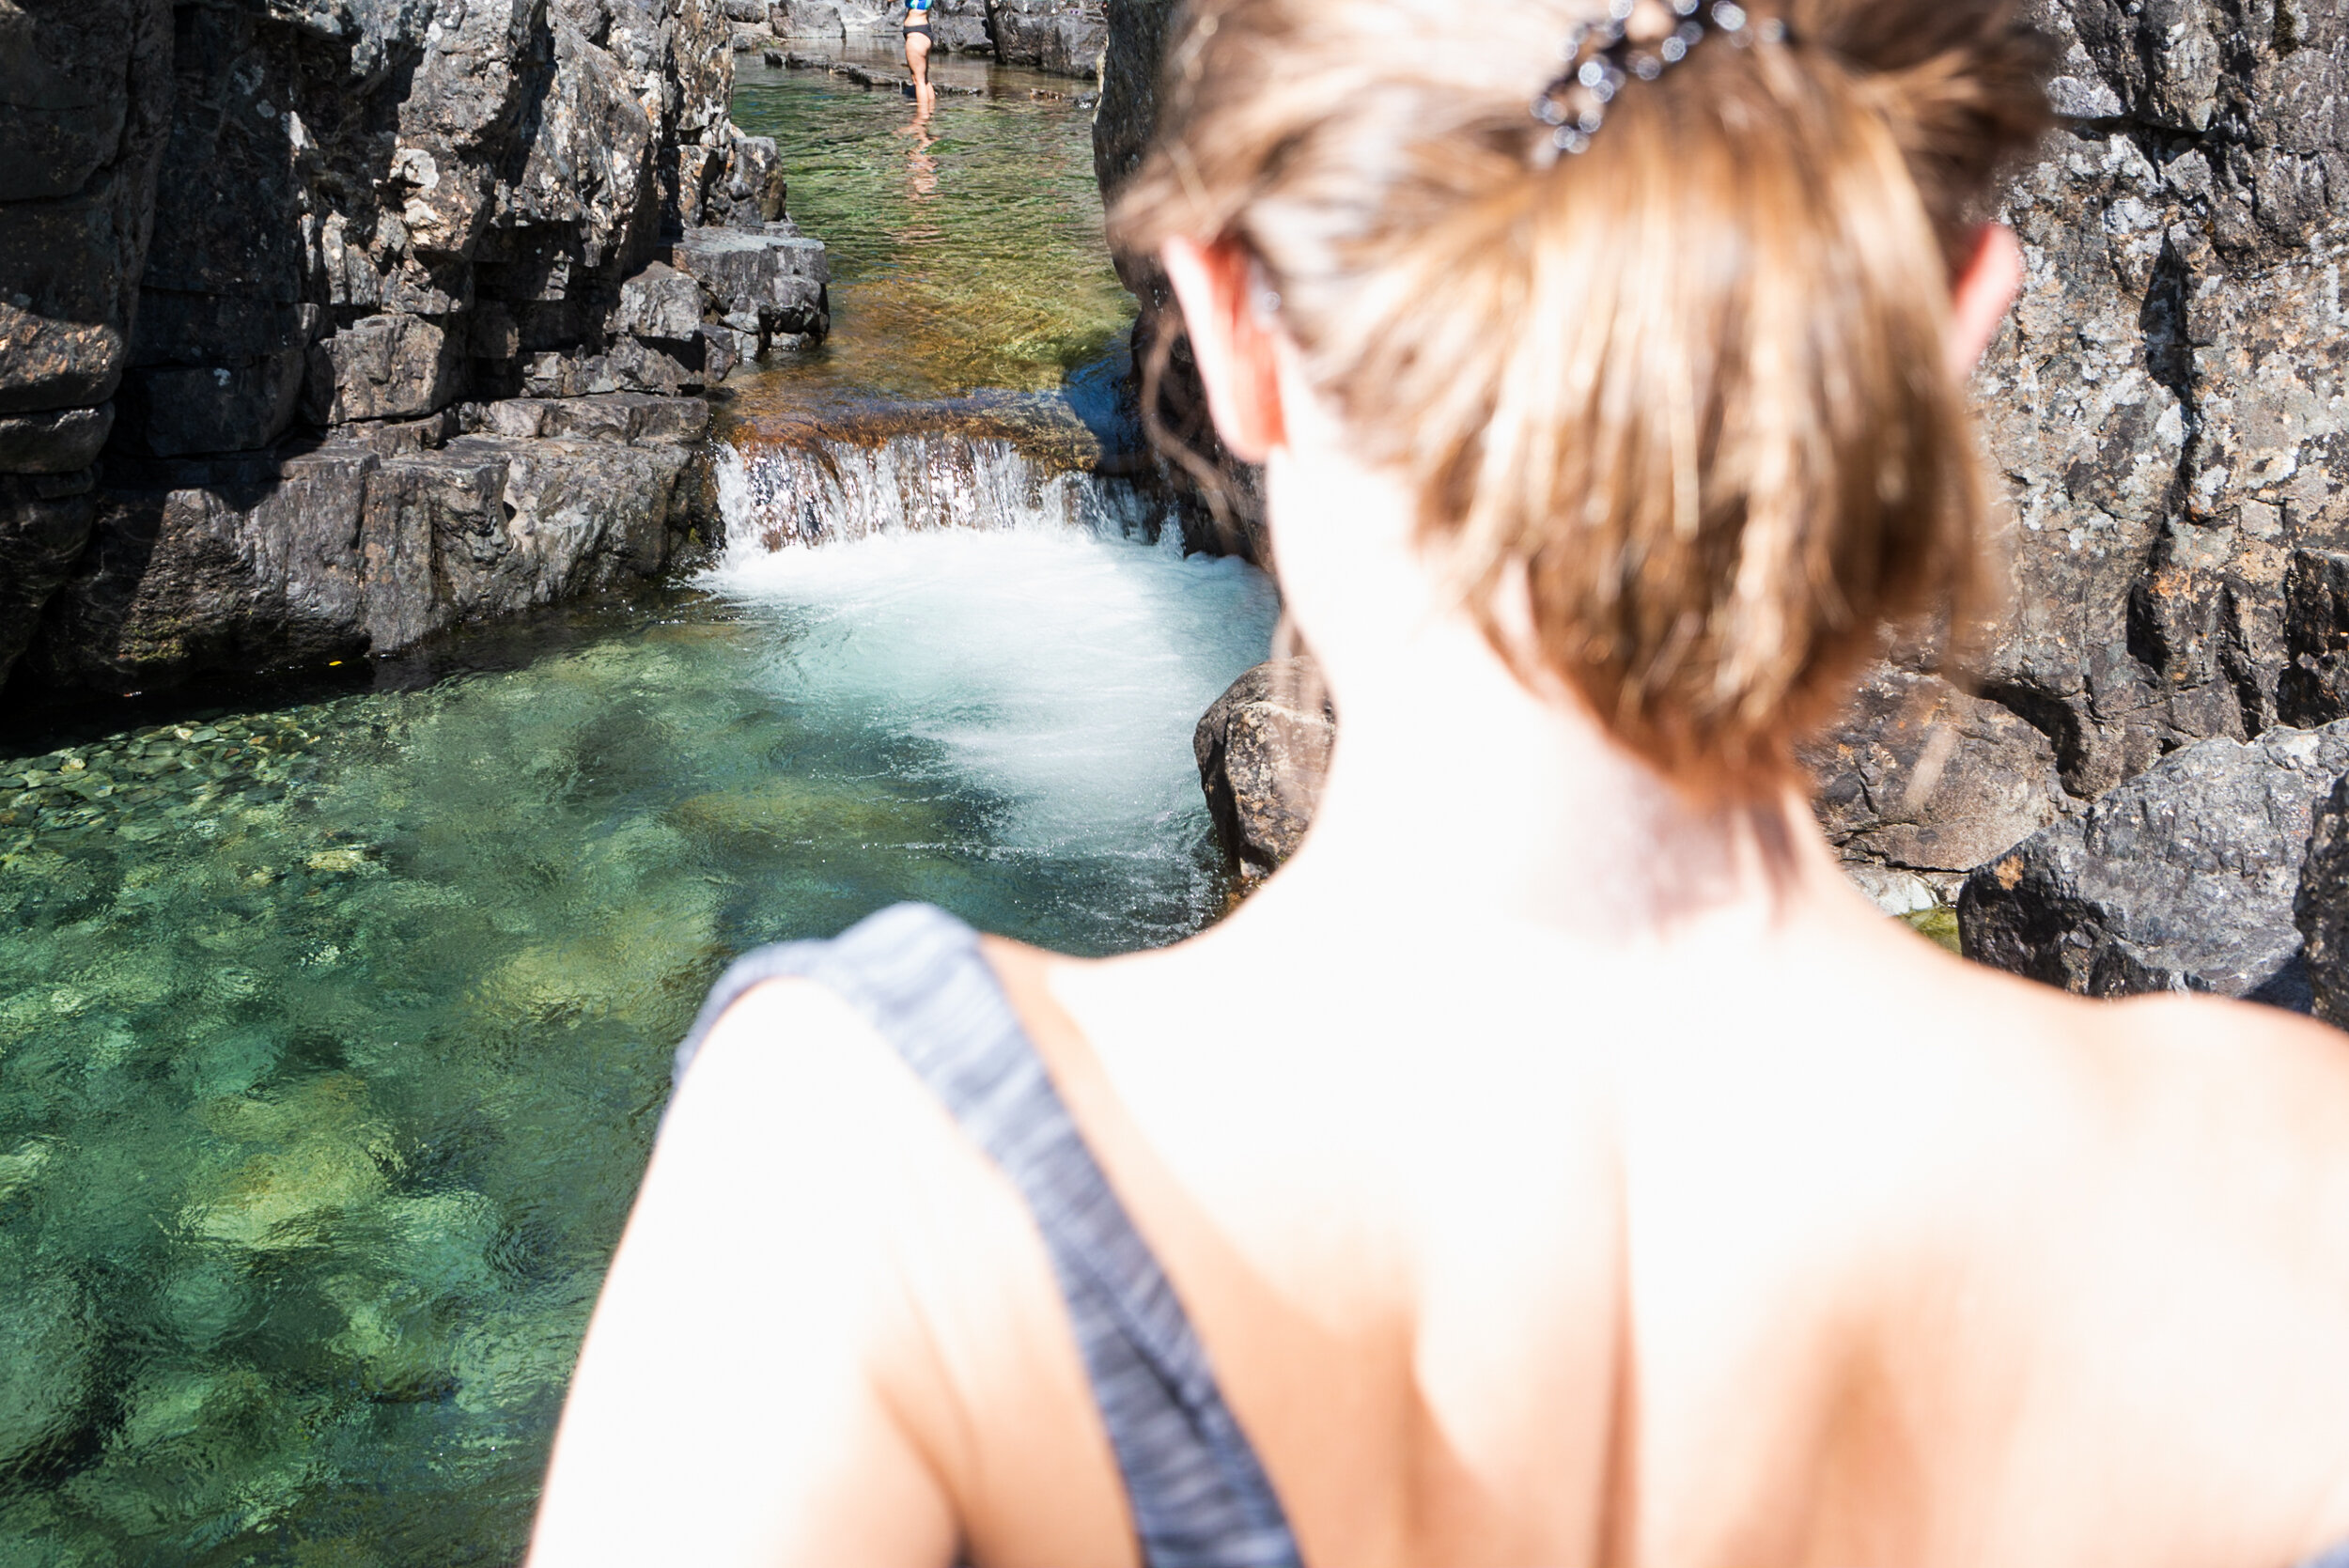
[
  {"x": 1058, "y": 35},
  {"x": 368, "y": 543},
  {"x": 60, "y": 441},
  {"x": 1918, "y": 776},
  {"x": 770, "y": 282},
  {"x": 2183, "y": 879},
  {"x": 1263, "y": 751}
]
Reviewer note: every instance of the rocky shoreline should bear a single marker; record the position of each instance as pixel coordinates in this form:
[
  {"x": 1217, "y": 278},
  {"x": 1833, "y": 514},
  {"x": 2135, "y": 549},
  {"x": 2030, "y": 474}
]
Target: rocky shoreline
[
  {"x": 324, "y": 327},
  {"x": 1060, "y": 38}
]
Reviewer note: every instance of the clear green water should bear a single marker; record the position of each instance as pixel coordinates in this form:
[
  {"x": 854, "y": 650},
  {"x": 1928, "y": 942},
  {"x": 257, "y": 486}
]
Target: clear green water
[
  {"x": 332, "y": 1037},
  {"x": 967, "y": 257}
]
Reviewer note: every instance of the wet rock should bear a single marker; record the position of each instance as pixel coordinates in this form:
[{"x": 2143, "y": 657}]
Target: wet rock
[
  {"x": 1263, "y": 749},
  {"x": 231, "y": 564},
  {"x": 2182, "y": 879}
]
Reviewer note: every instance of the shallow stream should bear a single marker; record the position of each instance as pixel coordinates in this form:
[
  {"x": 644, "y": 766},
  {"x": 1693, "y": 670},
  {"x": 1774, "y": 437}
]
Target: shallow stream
[{"x": 332, "y": 1035}]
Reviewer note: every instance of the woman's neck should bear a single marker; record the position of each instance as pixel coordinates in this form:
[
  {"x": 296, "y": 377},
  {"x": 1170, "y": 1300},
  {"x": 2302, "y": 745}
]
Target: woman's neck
[{"x": 1462, "y": 794}]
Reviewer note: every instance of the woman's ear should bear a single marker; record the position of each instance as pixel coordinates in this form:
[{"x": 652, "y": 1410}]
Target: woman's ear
[
  {"x": 1232, "y": 342},
  {"x": 1979, "y": 299}
]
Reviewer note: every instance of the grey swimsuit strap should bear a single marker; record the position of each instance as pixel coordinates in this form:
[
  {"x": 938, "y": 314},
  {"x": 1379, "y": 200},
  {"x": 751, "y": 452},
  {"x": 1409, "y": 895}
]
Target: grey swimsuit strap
[{"x": 1200, "y": 1496}]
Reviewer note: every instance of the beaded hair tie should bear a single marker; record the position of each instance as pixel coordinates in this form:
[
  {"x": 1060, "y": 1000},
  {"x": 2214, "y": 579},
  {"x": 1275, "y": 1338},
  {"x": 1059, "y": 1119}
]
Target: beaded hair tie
[{"x": 1637, "y": 38}]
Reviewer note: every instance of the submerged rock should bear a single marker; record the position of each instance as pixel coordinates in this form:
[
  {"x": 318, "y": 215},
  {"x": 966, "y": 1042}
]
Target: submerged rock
[
  {"x": 1263, "y": 751},
  {"x": 2184, "y": 878},
  {"x": 48, "y": 1362}
]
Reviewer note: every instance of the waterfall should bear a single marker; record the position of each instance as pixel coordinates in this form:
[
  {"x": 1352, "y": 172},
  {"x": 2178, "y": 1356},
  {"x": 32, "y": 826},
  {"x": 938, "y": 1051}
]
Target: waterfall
[{"x": 825, "y": 489}]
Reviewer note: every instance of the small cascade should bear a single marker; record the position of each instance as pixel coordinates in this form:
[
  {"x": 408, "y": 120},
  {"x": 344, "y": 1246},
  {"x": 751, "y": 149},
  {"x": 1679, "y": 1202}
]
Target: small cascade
[{"x": 826, "y": 489}]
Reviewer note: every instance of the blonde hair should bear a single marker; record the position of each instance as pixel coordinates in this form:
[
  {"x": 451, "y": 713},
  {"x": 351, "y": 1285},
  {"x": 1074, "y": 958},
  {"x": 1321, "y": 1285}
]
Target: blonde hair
[{"x": 1694, "y": 379}]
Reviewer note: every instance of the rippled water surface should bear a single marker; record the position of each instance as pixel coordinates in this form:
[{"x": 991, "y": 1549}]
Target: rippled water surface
[
  {"x": 332, "y": 1037},
  {"x": 965, "y": 256}
]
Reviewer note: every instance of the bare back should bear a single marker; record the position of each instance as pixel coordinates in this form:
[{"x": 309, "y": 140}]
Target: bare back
[{"x": 1704, "y": 1273}]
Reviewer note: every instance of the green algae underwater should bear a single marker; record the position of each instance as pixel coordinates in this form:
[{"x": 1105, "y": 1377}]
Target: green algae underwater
[{"x": 333, "y": 1037}]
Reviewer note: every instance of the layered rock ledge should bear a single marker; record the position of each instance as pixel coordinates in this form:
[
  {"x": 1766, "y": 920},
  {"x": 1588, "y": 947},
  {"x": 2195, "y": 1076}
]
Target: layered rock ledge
[
  {"x": 1065, "y": 37},
  {"x": 263, "y": 264}
]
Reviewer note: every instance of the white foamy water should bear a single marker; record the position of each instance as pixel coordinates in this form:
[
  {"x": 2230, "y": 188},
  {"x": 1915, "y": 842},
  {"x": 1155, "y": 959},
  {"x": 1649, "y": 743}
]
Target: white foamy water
[
  {"x": 828, "y": 491},
  {"x": 1054, "y": 671}
]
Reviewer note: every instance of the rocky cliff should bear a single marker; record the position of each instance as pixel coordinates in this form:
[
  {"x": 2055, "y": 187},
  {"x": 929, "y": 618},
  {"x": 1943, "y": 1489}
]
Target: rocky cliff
[
  {"x": 2167, "y": 410},
  {"x": 325, "y": 323},
  {"x": 1062, "y": 36}
]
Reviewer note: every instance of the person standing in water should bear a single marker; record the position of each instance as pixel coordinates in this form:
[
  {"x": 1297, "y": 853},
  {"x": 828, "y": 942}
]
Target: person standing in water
[
  {"x": 918, "y": 57},
  {"x": 1556, "y": 1162}
]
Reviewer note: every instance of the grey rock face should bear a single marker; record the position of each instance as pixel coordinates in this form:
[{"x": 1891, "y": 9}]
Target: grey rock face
[
  {"x": 1050, "y": 35},
  {"x": 1065, "y": 37},
  {"x": 2168, "y": 405},
  {"x": 2182, "y": 879},
  {"x": 1263, "y": 749},
  {"x": 84, "y": 97},
  {"x": 250, "y": 239},
  {"x": 370, "y": 542},
  {"x": 769, "y": 283}
]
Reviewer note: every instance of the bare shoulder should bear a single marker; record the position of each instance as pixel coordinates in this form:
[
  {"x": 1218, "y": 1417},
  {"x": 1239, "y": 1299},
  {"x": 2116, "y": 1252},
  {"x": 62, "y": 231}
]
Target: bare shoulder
[{"x": 731, "y": 1366}]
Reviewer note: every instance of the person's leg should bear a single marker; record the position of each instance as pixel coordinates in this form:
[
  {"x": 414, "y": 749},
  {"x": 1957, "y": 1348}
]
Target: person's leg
[{"x": 918, "y": 61}]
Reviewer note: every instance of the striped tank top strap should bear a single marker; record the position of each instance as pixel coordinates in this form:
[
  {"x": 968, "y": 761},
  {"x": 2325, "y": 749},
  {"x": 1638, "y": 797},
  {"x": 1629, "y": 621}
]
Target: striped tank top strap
[{"x": 1199, "y": 1493}]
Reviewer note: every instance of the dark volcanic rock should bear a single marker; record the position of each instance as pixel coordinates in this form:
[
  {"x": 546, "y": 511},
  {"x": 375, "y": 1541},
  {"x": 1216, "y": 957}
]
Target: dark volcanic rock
[
  {"x": 2182, "y": 879},
  {"x": 1263, "y": 749},
  {"x": 264, "y": 253},
  {"x": 367, "y": 544},
  {"x": 44, "y": 521}
]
